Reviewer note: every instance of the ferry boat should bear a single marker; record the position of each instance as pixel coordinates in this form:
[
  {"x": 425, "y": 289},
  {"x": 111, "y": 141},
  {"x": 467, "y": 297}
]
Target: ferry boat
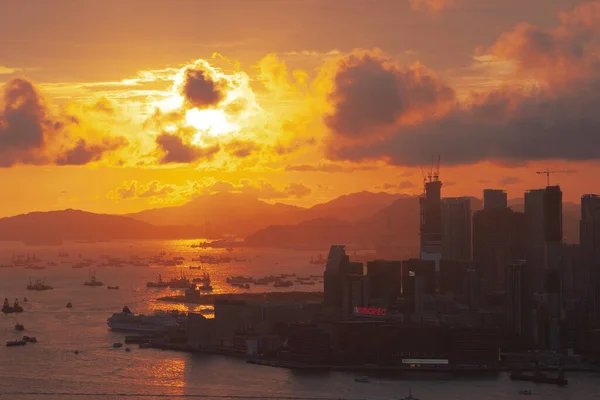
[
  {"x": 38, "y": 285},
  {"x": 130, "y": 322},
  {"x": 158, "y": 284},
  {"x": 283, "y": 284},
  {"x": 93, "y": 281}
]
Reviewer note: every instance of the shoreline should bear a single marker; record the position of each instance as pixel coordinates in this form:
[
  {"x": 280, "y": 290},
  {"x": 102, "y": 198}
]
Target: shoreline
[{"x": 210, "y": 299}]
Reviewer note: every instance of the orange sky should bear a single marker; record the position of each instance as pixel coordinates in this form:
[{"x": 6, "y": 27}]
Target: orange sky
[{"x": 113, "y": 106}]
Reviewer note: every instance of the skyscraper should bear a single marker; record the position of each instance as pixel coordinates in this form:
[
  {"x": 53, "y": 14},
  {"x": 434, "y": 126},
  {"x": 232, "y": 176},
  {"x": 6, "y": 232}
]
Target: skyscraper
[
  {"x": 589, "y": 238},
  {"x": 498, "y": 239},
  {"x": 456, "y": 227},
  {"x": 337, "y": 270},
  {"x": 431, "y": 222},
  {"x": 517, "y": 294},
  {"x": 494, "y": 199}
]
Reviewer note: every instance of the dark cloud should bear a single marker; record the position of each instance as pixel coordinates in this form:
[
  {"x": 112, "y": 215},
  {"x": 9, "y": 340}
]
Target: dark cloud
[
  {"x": 372, "y": 92},
  {"x": 29, "y": 132},
  {"x": 201, "y": 88},
  {"x": 327, "y": 168},
  {"x": 176, "y": 151},
  {"x": 509, "y": 180},
  {"x": 241, "y": 148},
  {"x": 83, "y": 152},
  {"x": 556, "y": 120}
]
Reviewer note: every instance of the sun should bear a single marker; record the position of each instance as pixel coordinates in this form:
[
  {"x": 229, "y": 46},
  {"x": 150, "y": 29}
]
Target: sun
[{"x": 213, "y": 122}]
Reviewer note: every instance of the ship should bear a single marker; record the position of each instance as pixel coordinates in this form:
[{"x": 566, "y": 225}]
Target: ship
[
  {"x": 127, "y": 321},
  {"x": 93, "y": 281},
  {"x": 38, "y": 267},
  {"x": 180, "y": 283},
  {"x": 15, "y": 308},
  {"x": 158, "y": 284},
  {"x": 205, "y": 279},
  {"x": 540, "y": 377},
  {"x": 38, "y": 285}
]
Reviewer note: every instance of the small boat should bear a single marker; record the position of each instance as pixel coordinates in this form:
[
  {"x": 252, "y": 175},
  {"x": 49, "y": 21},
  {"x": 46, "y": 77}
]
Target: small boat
[
  {"x": 19, "y": 327},
  {"x": 30, "y": 339},
  {"x": 158, "y": 284},
  {"x": 180, "y": 283},
  {"x": 362, "y": 379},
  {"x": 117, "y": 345},
  {"x": 17, "y": 307},
  {"x": 145, "y": 345},
  {"x": 113, "y": 287},
  {"x": 25, "y": 300},
  {"x": 7, "y": 308},
  {"x": 525, "y": 392},
  {"x": 38, "y": 285},
  {"x": 69, "y": 305},
  {"x": 93, "y": 281},
  {"x": 127, "y": 349},
  {"x": 409, "y": 397},
  {"x": 13, "y": 343}
]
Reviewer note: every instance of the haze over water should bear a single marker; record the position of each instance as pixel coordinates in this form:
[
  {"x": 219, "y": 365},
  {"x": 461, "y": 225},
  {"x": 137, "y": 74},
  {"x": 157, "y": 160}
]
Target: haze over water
[{"x": 51, "y": 370}]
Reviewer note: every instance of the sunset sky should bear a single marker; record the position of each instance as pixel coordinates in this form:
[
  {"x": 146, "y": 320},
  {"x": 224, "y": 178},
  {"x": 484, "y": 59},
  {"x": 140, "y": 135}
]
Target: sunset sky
[{"x": 117, "y": 106}]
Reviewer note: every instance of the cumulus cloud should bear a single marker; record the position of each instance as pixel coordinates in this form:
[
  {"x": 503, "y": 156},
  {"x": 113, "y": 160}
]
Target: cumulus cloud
[
  {"x": 31, "y": 134},
  {"x": 202, "y": 86},
  {"x": 261, "y": 189},
  {"x": 241, "y": 148},
  {"x": 137, "y": 190},
  {"x": 556, "y": 118},
  {"x": 174, "y": 150},
  {"x": 431, "y": 5},
  {"x": 372, "y": 92}
]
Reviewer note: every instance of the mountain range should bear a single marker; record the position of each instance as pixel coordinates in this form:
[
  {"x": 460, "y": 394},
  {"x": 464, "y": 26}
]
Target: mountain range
[{"x": 365, "y": 219}]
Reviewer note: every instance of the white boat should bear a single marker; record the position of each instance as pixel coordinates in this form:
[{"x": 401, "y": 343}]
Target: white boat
[{"x": 130, "y": 322}]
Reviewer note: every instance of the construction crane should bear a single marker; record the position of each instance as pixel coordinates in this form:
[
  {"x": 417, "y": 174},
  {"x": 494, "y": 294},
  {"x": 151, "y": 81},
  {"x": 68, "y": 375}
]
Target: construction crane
[{"x": 549, "y": 172}]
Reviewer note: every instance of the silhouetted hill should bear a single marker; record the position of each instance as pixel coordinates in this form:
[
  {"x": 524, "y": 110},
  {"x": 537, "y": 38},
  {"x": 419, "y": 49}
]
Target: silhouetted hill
[
  {"x": 55, "y": 226},
  {"x": 239, "y": 214},
  {"x": 223, "y": 213},
  {"x": 352, "y": 207},
  {"x": 313, "y": 234},
  {"x": 396, "y": 224}
]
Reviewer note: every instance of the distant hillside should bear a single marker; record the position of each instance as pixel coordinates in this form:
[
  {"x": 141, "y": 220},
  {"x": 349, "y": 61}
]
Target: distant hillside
[
  {"x": 313, "y": 234},
  {"x": 239, "y": 214},
  {"x": 223, "y": 213},
  {"x": 352, "y": 207},
  {"x": 55, "y": 226},
  {"x": 396, "y": 224}
]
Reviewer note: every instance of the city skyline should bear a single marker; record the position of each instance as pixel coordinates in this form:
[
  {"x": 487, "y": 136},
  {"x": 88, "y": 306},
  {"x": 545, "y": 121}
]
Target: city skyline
[{"x": 301, "y": 117}]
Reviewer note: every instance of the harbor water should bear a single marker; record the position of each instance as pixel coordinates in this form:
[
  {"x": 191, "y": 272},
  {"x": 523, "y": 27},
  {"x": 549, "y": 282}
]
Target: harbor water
[{"x": 51, "y": 369}]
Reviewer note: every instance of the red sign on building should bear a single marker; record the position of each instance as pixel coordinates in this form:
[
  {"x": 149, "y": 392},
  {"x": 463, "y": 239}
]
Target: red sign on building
[{"x": 370, "y": 311}]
